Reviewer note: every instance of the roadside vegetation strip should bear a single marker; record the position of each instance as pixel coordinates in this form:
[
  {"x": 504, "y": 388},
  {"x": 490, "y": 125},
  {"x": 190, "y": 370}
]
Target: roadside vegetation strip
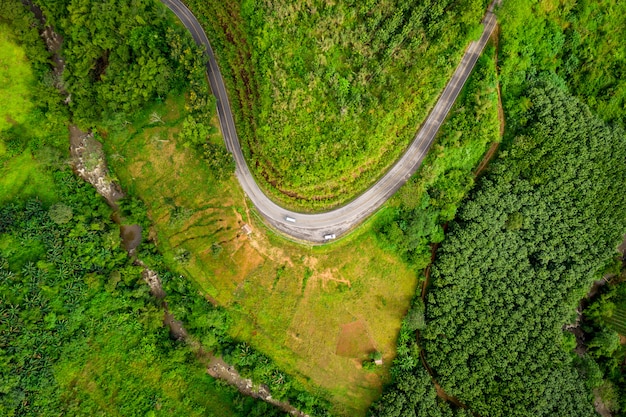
[{"x": 314, "y": 227}]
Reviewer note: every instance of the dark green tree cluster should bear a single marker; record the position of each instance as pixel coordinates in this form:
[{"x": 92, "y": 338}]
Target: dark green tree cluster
[
  {"x": 64, "y": 283},
  {"x": 118, "y": 55},
  {"x": 522, "y": 252},
  {"x": 604, "y": 325}
]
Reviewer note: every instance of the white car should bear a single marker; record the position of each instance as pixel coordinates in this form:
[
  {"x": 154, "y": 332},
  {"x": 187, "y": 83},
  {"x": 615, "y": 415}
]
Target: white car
[
  {"x": 329, "y": 236},
  {"x": 290, "y": 219}
]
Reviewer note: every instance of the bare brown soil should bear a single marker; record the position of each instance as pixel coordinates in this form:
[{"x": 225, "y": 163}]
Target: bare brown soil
[
  {"x": 217, "y": 368},
  {"x": 354, "y": 340},
  {"x": 131, "y": 236},
  {"x": 599, "y": 405}
]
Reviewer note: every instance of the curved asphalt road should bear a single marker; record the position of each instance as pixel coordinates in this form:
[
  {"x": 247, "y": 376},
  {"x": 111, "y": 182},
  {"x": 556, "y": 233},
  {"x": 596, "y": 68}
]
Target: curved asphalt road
[{"x": 313, "y": 227}]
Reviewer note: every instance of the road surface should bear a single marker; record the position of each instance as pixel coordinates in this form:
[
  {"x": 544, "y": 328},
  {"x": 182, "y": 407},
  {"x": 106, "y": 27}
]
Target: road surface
[{"x": 314, "y": 227}]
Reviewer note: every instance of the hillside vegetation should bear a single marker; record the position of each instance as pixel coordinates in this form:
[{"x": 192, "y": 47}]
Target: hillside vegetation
[
  {"x": 289, "y": 301},
  {"x": 327, "y": 95},
  {"x": 534, "y": 233},
  {"x": 584, "y": 42},
  {"x": 79, "y": 332}
]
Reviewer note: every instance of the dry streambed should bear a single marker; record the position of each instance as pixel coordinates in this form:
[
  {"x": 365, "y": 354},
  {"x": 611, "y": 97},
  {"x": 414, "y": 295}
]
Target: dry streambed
[{"x": 89, "y": 163}]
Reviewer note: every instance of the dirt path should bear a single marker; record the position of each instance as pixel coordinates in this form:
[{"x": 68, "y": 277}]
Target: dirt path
[
  {"x": 53, "y": 43},
  {"x": 487, "y": 158},
  {"x": 89, "y": 163}
]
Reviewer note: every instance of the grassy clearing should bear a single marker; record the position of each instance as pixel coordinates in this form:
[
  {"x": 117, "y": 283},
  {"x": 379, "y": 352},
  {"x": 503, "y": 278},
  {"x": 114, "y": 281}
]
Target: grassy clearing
[
  {"x": 290, "y": 301},
  {"x": 22, "y": 177},
  {"x": 16, "y": 80},
  {"x": 26, "y": 139}
]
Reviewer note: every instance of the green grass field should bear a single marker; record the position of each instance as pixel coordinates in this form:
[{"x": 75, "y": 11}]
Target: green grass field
[
  {"x": 16, "y": 80},
  {"x": 24, "y": 154},
  {"x": 317, "y": 312}
]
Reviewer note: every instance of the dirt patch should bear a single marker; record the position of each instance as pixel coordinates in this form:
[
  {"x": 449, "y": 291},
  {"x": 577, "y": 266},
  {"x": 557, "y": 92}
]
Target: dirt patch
[
  {"x": 177, "y": 331},
  {"x": 274, "y": 253},
  {"x": 131, "y": 236},
  {"x": 247, "y": 260},
  {"x": 599, "y": 405},
  {"x": 327, "y": 276},
  {"x": 354, "y": 340},
  {"x": 310, "y": 262},
  {"x": 89, "y": 163},
  {"x": 152, "y": 279}
]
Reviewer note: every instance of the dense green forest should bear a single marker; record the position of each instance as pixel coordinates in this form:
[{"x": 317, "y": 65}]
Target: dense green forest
[
  {"x": 328, "y": 95},
  {"x": 79, "y": 332},
  {"x": 536, "y": 231},
  {"x": 547, "y": 218}
]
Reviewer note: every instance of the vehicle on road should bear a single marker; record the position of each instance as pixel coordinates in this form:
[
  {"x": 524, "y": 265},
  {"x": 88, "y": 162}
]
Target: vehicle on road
[
  {"x": 329, "y": 236},
  {"x": 290, "y": 219}
]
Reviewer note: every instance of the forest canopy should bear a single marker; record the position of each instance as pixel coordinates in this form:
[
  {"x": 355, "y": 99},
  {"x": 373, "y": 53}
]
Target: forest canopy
[{"x": 521, "y": 253}]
